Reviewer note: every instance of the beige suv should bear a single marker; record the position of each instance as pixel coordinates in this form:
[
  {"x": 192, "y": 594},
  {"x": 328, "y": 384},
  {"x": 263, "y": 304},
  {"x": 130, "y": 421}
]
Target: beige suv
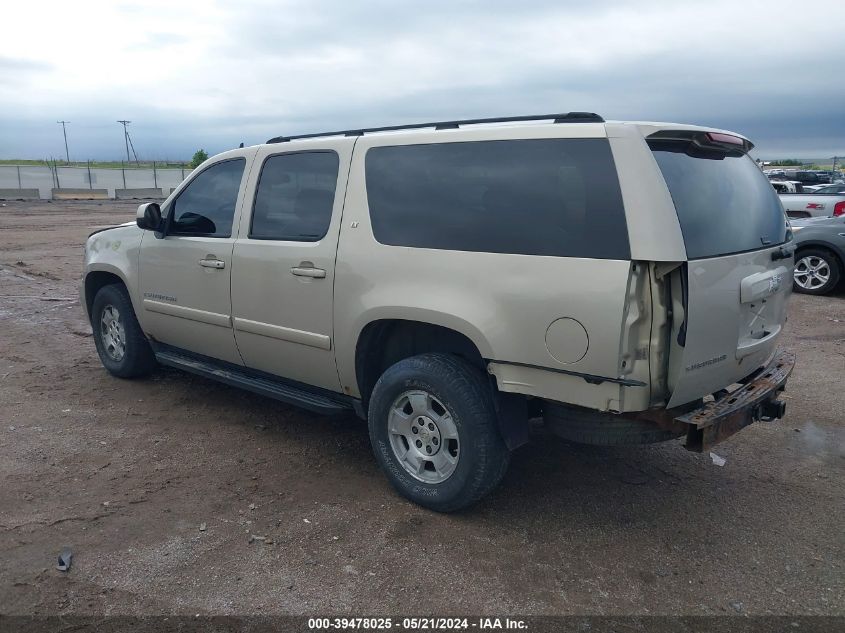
[{"x": 622, "y": 282}]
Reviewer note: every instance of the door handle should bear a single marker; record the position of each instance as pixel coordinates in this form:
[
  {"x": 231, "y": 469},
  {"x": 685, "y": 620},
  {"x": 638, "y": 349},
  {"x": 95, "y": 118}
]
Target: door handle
[
  {"x": 308, "y": 271},
  {"x": 211, "y": 262}
]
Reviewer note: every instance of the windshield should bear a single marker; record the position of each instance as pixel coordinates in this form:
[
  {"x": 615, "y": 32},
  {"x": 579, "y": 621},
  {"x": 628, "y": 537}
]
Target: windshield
[{"x": 724, "y": 202}]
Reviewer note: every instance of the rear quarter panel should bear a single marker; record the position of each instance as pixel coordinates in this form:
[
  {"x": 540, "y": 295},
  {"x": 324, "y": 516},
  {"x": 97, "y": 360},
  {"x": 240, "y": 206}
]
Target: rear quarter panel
[{"x": 504, "y": 303}]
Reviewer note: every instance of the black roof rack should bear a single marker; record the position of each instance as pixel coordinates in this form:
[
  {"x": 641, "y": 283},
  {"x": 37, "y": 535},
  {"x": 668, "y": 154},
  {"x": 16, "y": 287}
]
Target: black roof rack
[{"x": 569, "y": 117}]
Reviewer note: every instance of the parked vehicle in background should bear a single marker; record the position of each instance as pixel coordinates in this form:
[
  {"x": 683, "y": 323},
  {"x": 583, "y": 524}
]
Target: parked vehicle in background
[
  {"x": 813, "y": 205},
  {"x": 819, "y": 255},
  {"x": 787, "y": 186},
  {"x": 449, "y": 281},
  {"x": 803, "y": 176},
  {"x": 825, "y": 189}
]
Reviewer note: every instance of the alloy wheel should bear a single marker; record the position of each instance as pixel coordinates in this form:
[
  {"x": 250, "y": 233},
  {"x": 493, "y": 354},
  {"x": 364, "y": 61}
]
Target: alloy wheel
[{"x": 423, "y": 436}]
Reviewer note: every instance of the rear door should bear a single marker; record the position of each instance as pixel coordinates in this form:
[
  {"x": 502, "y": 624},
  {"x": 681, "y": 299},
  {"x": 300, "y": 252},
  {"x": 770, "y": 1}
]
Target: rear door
[
  {"x": 734, "y": 287},
  {"x": 284, "y": 261}
]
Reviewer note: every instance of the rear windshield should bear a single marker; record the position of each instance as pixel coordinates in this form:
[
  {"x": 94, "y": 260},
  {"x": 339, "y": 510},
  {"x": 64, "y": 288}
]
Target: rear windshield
[
  {"x": 724, "y": 202},
  {"x": 556, "y": 197}
]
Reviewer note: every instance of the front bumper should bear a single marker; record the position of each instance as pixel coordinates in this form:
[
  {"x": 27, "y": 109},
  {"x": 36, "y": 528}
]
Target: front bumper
[{"x": 756, "y": 399}]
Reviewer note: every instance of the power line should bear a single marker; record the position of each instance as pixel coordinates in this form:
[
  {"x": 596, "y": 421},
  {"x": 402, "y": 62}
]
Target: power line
[{"x": 64, "y": 131}]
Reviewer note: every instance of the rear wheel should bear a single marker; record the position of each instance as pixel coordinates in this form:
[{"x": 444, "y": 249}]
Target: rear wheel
[
  {"x": 434, "y": 431},
  {"x": 121, "y": 345},
  {"x": 816, "y": 272}
]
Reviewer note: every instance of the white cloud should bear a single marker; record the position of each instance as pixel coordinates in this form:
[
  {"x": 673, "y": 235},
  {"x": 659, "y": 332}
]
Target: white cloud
[{"x": 198, "y": 71}]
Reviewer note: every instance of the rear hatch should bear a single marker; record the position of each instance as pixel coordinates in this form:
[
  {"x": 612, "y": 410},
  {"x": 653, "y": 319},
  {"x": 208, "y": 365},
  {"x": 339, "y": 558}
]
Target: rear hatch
[{"x": 730, "y": 297}]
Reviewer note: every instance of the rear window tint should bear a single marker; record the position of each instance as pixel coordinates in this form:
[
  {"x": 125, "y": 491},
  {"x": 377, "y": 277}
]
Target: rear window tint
[
  {"x": 725, "y": 204},
  {"x": 295, "y": 197},
  {"x": 556, "y": 197}
]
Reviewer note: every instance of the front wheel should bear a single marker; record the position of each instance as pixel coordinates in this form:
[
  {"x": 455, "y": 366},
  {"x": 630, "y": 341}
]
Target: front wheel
[
  {"x": 434, "y": 431},
  {"x": 816, "y": 271},
  {"x": 121, "y": 345}
]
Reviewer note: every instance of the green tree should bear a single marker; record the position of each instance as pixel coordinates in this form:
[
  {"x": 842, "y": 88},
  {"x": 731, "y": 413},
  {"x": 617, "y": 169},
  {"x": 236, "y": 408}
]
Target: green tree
[{"x": 200, "y": 156}]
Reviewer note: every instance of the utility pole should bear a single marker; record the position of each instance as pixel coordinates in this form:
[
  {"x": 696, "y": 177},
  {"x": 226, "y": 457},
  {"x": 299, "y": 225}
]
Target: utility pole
[
  {"x": 64, "y": 131},
  {"x": 126, "y": 138}
]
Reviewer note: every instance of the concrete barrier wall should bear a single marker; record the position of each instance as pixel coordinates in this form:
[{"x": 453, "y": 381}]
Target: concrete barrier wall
[
  {"x": 45, "y": 179},
  {"x": 135, "y": 194},
  {"x": 79, "y": 194},
  {"x": 19, "y": 194}
]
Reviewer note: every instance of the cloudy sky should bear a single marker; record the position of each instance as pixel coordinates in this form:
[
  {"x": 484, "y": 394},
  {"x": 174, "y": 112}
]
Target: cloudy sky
[{"x": 211, "y": 74}]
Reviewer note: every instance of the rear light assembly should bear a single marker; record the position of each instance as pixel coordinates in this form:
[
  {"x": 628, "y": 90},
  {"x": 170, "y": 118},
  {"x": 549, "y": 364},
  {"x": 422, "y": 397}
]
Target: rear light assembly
[
  {"x": 730, "y": 139},
  {"x": 722, "y": 142},
  {"x": 839, "y": 208}
]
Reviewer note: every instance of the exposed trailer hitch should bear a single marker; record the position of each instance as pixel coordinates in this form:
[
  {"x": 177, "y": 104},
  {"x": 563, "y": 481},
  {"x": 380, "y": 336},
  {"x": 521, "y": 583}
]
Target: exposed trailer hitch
[{"x": 755, "y": 400}]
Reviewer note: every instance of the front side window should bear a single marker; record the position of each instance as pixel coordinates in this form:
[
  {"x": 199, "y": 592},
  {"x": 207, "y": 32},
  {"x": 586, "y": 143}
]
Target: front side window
[
  {"x": 295, "y": 197},
  {"x": 206, "y": 206},
  {"x": 557, "y": 197}
]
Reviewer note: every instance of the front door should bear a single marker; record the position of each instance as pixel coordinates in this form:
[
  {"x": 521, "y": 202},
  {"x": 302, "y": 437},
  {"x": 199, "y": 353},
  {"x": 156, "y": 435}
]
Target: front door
[
  {"x": 185, "y": 275},
  {"x": 284, "y": 258}
]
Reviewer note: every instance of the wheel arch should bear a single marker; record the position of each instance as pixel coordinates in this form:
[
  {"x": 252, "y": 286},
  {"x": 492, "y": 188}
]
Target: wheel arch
[
  {"x": 827, "y": 246},
  {"x": 384, "y": 342},
  {"x": 99, "y": 277}
]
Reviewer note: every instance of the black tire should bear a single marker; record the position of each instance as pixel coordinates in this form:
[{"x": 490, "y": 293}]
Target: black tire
[
  {"x": 137, "y": 358},
  {"x": 463, "y": 390},
  {"x": 583, "y": 426},
  {"x": 831, "y": 261}
]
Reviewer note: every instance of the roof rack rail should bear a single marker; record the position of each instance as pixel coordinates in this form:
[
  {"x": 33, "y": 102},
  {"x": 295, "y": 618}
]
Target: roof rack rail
[{"x": 569, "y": 117}]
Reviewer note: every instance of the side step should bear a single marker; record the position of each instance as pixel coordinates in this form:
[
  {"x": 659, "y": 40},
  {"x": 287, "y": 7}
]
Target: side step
[{"x": 284, "y": 391}]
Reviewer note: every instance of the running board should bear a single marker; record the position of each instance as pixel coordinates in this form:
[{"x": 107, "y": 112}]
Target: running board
[{"x": 275, "y": 389}]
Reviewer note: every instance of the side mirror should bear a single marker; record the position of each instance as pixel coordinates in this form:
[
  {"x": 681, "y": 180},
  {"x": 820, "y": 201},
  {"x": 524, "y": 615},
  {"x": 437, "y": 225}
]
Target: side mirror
[{"x": 148, "y": 216}]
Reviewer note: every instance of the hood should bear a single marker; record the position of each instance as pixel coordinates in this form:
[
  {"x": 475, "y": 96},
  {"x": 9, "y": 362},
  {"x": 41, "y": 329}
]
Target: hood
[{"x": 100, "y": 229}]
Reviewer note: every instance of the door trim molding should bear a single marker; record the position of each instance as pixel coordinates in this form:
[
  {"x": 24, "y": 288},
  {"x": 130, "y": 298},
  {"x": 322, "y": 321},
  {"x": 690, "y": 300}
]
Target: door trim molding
[
  {"x": 192, "y": 314},
  {"x": 311, "y": 339}
]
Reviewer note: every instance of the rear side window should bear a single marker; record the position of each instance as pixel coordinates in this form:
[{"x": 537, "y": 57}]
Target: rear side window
[
  {"x": 725, "y": 204},
  {"x": 295, "y": 197},
  {"x": 207, "y": 205},
  {"x": 556, "y": 197}
]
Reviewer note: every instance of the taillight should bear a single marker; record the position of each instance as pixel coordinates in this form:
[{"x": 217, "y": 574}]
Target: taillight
[
  {"x": 730, "y": 139},
  {"x": 839, "y": 208}
]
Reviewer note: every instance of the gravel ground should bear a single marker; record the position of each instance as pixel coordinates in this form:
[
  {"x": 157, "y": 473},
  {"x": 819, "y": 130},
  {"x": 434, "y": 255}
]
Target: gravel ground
[{"x": 157, "y": 485}]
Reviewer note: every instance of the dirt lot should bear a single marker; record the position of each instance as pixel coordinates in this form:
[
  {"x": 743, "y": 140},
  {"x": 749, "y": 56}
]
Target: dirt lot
[{"x": 126, "y": 472}]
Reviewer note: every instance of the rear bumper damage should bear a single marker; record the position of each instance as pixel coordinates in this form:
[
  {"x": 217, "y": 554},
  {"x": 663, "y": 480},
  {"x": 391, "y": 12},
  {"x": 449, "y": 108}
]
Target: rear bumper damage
[{"x": 756, "y": 399}]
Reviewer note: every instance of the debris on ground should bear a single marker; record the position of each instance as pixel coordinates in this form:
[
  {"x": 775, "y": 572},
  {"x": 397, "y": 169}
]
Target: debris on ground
[
  {"x": 202, "y": 527},
  {"x": 717, "y": 459},
  {"x": 65, "y": 559},
  {"x": 255, "y": 537}
]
